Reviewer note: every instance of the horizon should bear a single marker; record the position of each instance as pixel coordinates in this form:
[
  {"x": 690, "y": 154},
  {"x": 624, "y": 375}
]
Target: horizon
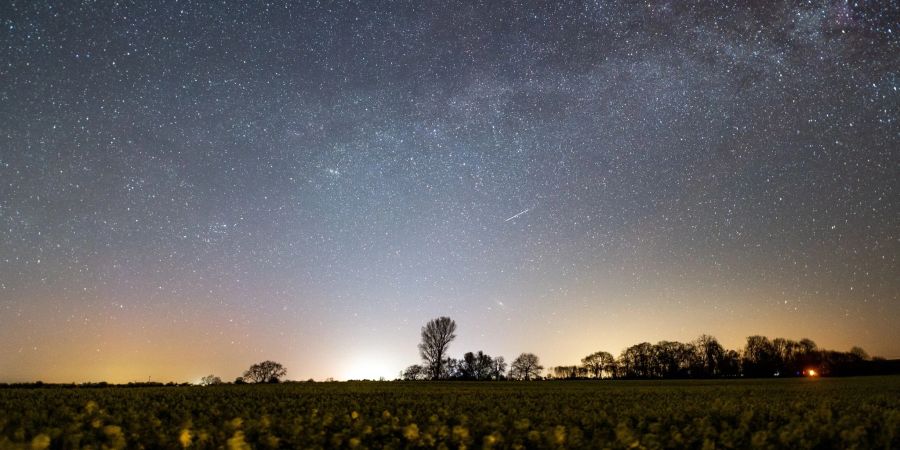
[
  {"x": 364, "y": 373},
  {"x": 189, "y": 189}
]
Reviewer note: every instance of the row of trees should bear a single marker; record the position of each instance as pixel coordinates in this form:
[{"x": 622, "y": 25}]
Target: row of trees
[
  {"x": 264, "y": 372},
  {"x": 762, "y": 357},
  {"x": 478, "y": 367},
  {"x": 704, "y": 357},
  {"x": 436, "y": 365}
]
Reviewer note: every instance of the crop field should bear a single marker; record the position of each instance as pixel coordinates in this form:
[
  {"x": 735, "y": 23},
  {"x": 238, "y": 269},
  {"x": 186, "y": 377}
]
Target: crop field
[{"x": 786, "y": 413}]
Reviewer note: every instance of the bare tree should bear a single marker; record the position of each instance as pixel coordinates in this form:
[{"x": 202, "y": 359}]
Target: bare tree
[
  {"x": 450, "y": 368},
  {"x": 808, "y": 346},
  {"x": 859, "y": 354},
  {"x": 760, "y": 357},
  {"x": 525, "y": 367},
  {"x": 498, "y": 370},
  {"x": 414, "y": 372},
  {"x": 564, "y": 372},
  {"x": 483, "y": 366},
  {"x": 709, "y": 355},
  {"x": 265, "y": 372},
  {"x": 436, "y": 337},
  {"x": 475, "y": 366},
  {"x": 210, "y": 380},
  {"x": 673, "y": 359},
  {"x": 596, "y": 363},
  {"x": 637, "y": 361}
]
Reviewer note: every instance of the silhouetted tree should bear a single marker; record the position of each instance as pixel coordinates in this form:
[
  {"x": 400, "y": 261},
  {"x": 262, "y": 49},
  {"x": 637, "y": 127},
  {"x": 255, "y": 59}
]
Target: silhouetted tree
[
  {"x": 810, "y": 357},
  {"x": 561, "y": 372},
  {"x": 808, "y": 346},
  {"x": 436, "y": 337},
  {"x": 672, "y": 359},
  {"x": 596, "y": 363},
  {"x": 467, "y": 366},
  {"x": 833, "y": 363},
  {"x": 525, "y": 367},
  {"x": 450, "y": 368},
  {"x": 637, "y": 361},
  {"x": 854, "y": 362},
  {"x": 569, "y": 372},
  {"x": 415, "y": 372},
  {"x": 475, "y": 366},
  {"x": 664, "y": 360},
  {"x": 859, "y": 354},
  {"x": 730, "y": 366},
  {"x": 484, "y": 366},
  {"x": 787, "y": 357},
  {"x": 265, "y": 372},
  {"x": 760, "y": 357},
  {"x": 613, "y": 369},
  {"x": 498, "y": 368},
  {"x": 709, "y": 356},
  {"x": 210, "y": 380}
]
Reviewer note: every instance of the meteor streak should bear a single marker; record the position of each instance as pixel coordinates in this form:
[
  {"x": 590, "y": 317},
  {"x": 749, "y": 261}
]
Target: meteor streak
[{"x": 517, "y": 215}]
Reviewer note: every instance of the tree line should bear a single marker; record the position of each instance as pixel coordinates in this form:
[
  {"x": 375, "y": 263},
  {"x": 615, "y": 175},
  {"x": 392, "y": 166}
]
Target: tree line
[
  {"x": 703, "y": 357},
  {"x": 437, "y": 335},
  {"x": 263, "y": 372}
]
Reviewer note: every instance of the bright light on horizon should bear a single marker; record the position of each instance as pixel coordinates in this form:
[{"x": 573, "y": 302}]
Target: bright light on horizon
[{"x": 368, "y": 367}]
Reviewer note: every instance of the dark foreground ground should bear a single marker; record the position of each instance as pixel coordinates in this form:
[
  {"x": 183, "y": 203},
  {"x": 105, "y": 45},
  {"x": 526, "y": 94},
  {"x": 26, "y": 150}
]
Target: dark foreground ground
[{"x": 785, "y": 413}]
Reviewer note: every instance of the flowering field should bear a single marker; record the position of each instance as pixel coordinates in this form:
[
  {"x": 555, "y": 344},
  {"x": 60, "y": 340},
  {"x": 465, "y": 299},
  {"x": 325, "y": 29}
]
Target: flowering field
[{"x": 787, "y": 413}]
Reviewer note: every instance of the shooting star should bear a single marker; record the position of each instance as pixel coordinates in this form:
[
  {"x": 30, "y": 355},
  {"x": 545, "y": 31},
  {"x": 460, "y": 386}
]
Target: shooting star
[{"x": 517, "y": 215}]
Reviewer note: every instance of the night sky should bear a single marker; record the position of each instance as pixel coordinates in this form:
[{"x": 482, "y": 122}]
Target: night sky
[{"x": 188, "y": 188}]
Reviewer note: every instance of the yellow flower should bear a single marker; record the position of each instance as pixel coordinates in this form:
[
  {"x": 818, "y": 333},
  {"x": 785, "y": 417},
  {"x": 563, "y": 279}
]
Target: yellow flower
[
  {"x": 185, "y": 438},
  {"x": 522, "y": 424},
  {"x": 40, "y": 442},
  {"x": 115, "y": 436},
  {"x": 460, "y": 432},
  {"x": 237, "y": 442},
  {"x": 559, "y": 434},
  {"x": 491, "y": 440},
  {"x": 411, "y": 432}
]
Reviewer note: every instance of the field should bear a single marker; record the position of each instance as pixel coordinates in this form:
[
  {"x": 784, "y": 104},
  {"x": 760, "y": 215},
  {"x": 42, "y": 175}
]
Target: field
[{"x": 786, "y": 413}]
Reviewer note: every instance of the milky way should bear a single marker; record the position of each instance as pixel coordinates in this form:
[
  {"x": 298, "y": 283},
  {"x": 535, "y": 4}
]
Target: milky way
[{"x": 190, "y": 187}]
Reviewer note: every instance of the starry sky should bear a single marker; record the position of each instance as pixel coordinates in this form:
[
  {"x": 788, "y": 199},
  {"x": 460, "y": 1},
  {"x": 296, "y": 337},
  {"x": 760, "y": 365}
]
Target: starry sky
[{"x": 191, "y": 187}]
